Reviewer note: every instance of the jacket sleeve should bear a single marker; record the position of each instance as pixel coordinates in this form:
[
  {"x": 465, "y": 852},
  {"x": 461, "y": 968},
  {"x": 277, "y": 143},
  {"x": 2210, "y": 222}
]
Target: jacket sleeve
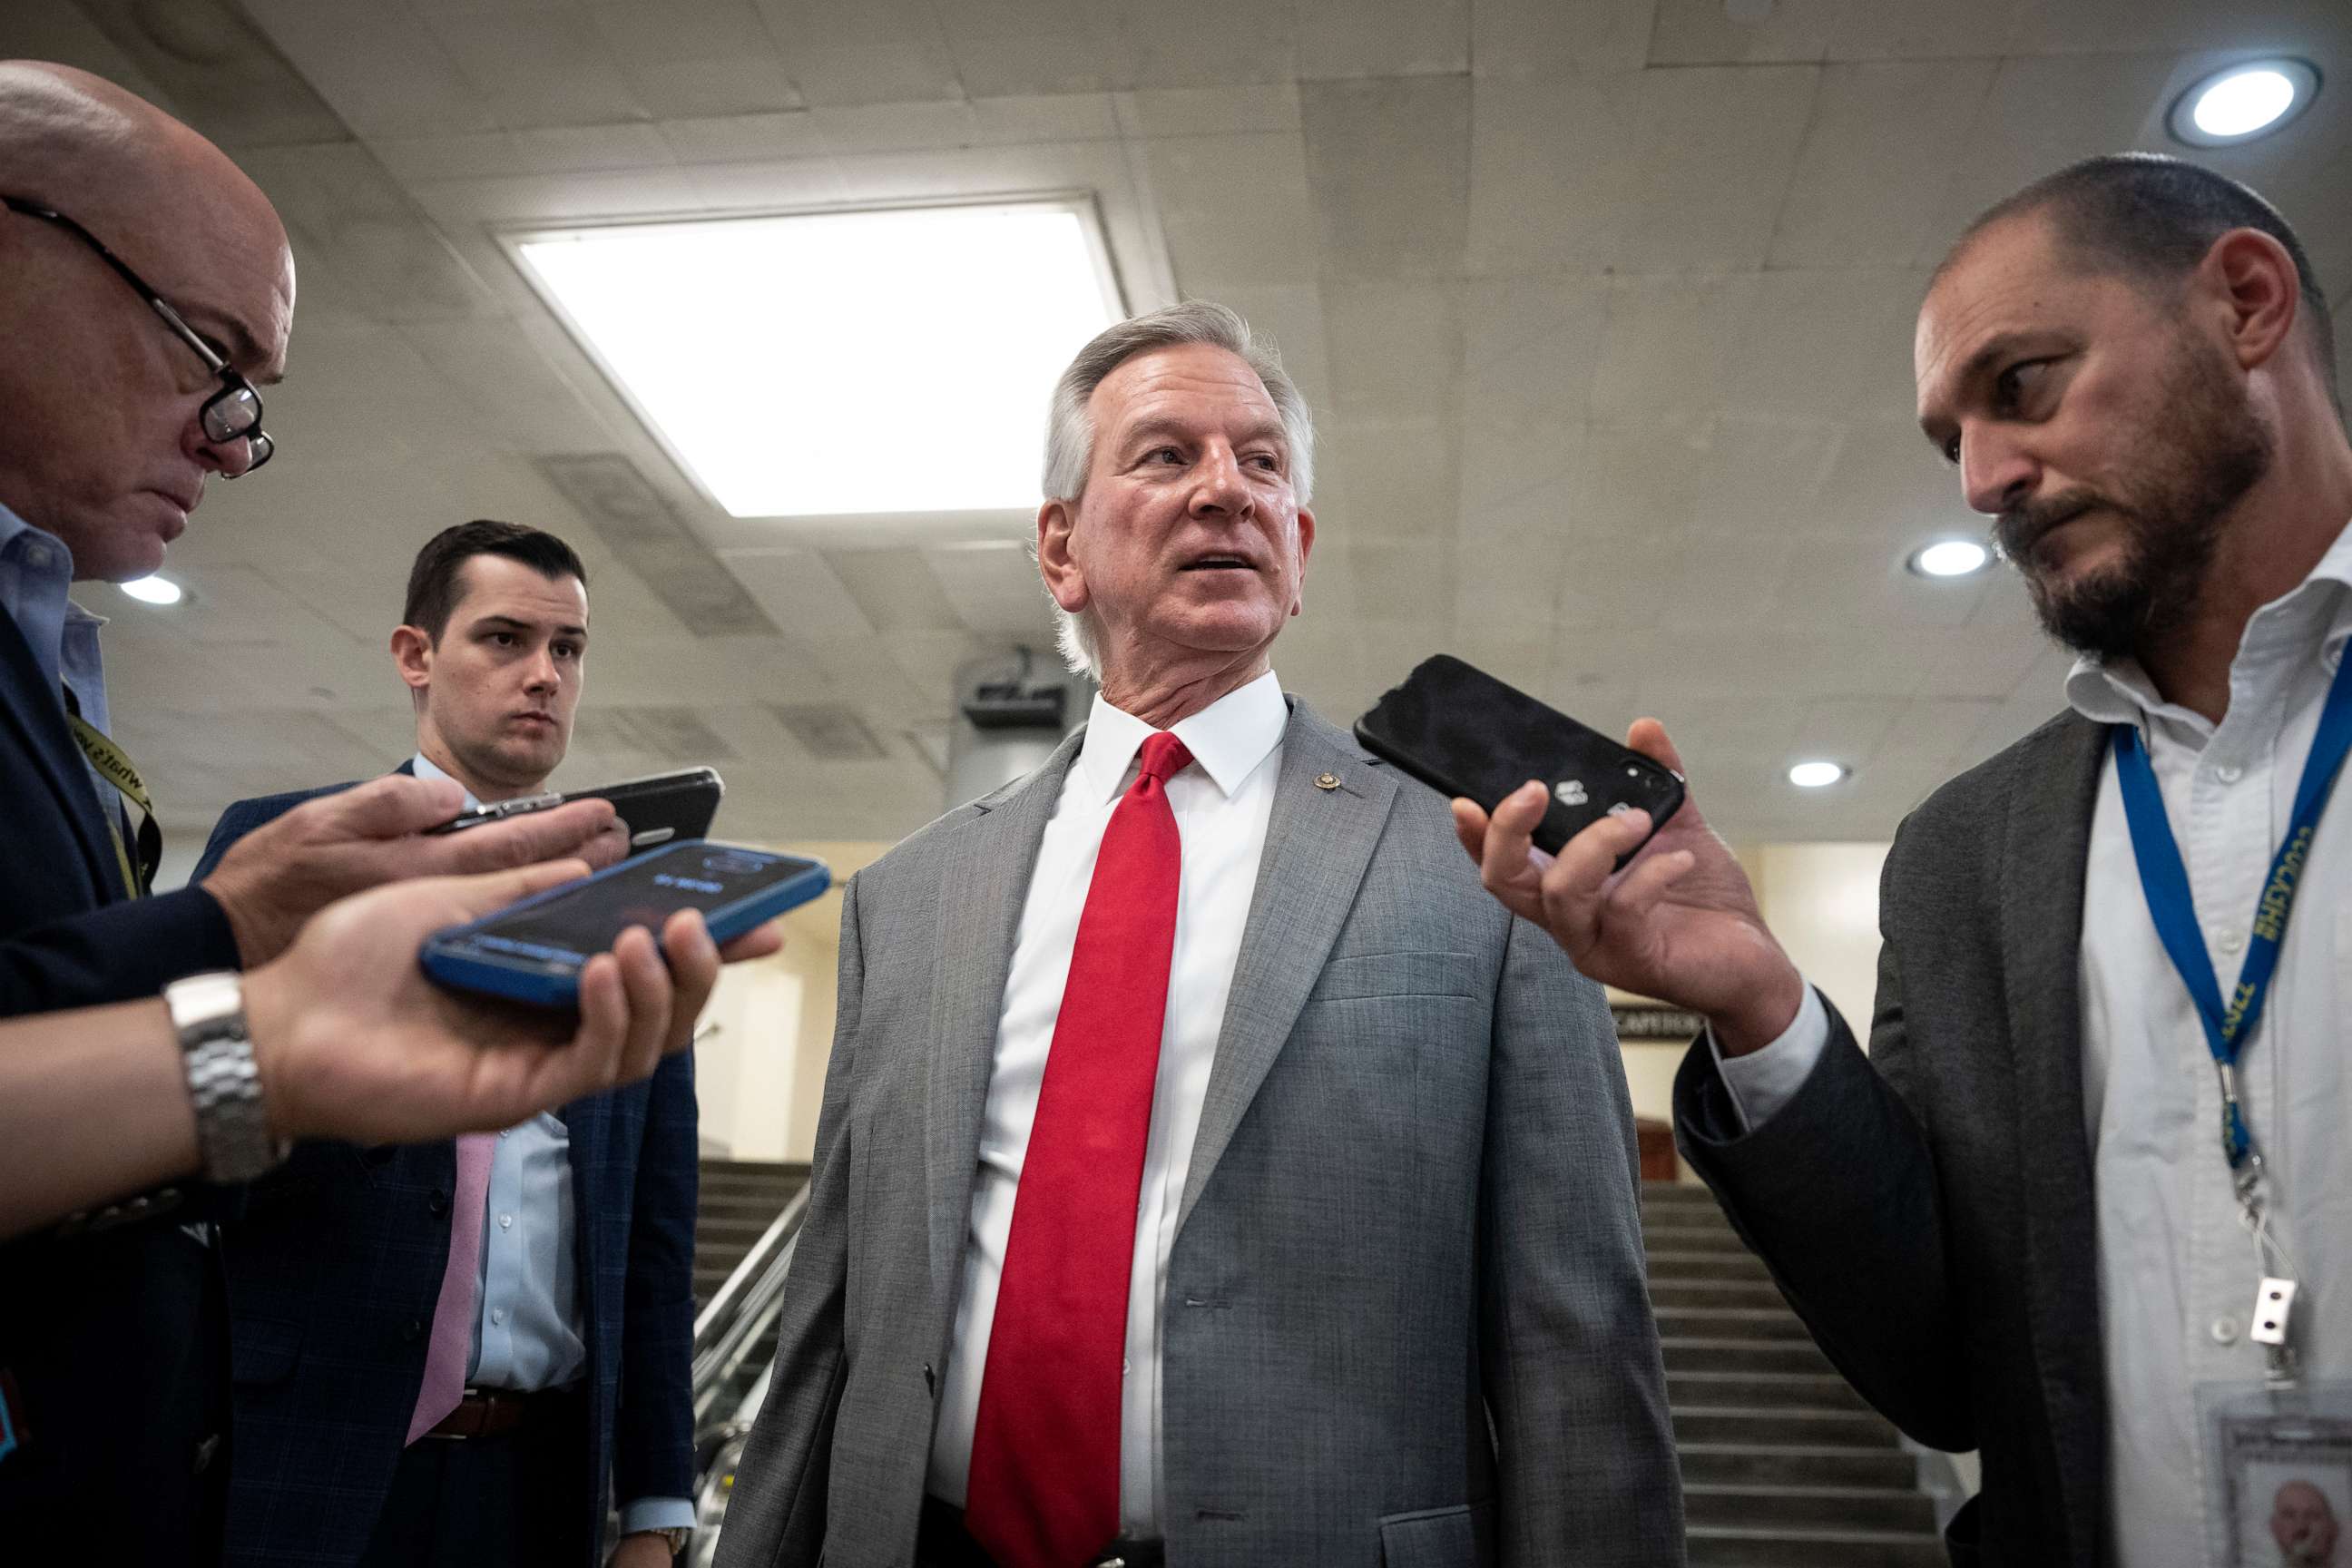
[
  {"x": 1574, "y": 1382},
  {"x": 1837, "y": 1192},
  {"x": 124, "y": 952},
  {"x": 653, "y": 1451},
  {"x": 778, "y": 1513}
]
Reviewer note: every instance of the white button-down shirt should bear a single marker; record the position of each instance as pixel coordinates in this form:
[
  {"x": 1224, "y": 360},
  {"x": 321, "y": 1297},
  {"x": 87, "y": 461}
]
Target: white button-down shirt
[
  {"x": 1222, "y": 803},
  {"x": 2176, "y": 1272}
]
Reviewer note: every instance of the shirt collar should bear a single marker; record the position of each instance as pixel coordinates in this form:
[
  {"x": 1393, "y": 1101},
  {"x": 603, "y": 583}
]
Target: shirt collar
[
  {"x": 1228, "y": 739},
  {"x": 422, "y": 766},
  {"x": 2119, "y": 692},
  {"x": 36, "y": 588}
]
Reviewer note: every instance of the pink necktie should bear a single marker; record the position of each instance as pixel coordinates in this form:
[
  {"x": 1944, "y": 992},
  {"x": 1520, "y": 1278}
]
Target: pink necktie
[
  {"x": 452, "y": 1315},
  {"x": 1044, "y": 1488}
]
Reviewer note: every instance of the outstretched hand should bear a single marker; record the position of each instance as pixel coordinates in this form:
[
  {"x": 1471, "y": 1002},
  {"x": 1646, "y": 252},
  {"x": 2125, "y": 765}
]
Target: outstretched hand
[
  {"x": 353, "y": 1041},
  {"x": 1679, "y": 922}
]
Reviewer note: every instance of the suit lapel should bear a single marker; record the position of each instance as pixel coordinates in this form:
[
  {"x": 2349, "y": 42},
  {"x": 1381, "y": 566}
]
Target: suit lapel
[
  {"x": 983, "y": 879},
  {"x": 1318, "y": 844},
  {"x": 2046, "y": 851},
  {"x": 37, "y": 714}
]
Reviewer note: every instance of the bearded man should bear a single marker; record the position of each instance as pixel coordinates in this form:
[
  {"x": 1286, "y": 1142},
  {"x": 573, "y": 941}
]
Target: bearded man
[{"x": 2014, "y": 1223}]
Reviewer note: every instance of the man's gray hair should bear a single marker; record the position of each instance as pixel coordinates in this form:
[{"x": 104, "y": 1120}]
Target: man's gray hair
[{"x": 1070, "y": 433}]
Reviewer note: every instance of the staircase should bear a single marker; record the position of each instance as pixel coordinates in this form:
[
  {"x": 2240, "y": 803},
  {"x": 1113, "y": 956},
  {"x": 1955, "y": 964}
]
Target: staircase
[
  {"x": 740, "y": 1198},
  {"x": 1783, "y": 1465}
]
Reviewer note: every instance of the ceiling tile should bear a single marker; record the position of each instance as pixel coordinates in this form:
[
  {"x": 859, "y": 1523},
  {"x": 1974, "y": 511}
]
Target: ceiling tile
[
  {"x": 1021, "y": 47},
  {"x": 485, "y": 154},
  {"x": 896, "y": 590},
  {"x": 1553, "y": 162},
  {"x": 1858, "y": 197},
  {"x": 1550, "y": 37},
  {"x": 1389, "y": 38},
  {"x": 1389, "y": 162},
  {"x": 377, "y": 64},
  {"x": 1394, "y": 478},
  {"x": 217, "y": 71},
  {"x": 1169, "y": 51},
  {"x": 538, "y": 67},
  {"x": 1664, "y": 351},
  {"x": 1396, "y": 348},
  {"x": 1070, "y": 117},
  {"x": 2042, "y": 113},
  {"x": 993, "y": 589},
  {"x": 743, "y": 138},
  {"x": 1236, "y": 209},
  {"x": 1723, "y": 142},
  {"x": 1703, "y": 33},
  {"x": 1821, "y": 345},
  {"x": 696, "y": 56},
  {"x": 1230, "y": 110},
  {"x": 1529, "y": 345}
]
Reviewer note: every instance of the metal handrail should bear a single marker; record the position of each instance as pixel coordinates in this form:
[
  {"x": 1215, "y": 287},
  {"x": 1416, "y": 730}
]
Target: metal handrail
[{"x": 712, "y": 1320}]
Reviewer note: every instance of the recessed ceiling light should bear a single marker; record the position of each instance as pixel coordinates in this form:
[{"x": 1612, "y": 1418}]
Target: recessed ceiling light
[
  {"x": 895, "y": 361},
  {"x": 1950, "y": 558},
  {"x": 2240, "y": 102},
  {"x": 152, "y": 590},
  {"x": 1815, "y": 775}
]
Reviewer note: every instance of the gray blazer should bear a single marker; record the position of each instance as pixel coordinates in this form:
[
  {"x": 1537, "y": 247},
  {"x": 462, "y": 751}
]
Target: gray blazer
[
  {"x": 1928, "y": 1209},
  {"x": 1407, "y": 1315}
]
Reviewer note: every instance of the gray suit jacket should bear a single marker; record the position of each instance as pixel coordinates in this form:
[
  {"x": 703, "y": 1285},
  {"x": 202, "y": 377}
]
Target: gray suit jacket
[
  {"x": 1927, "y": 1208},
  {"x": 1407, "y": 1316}
]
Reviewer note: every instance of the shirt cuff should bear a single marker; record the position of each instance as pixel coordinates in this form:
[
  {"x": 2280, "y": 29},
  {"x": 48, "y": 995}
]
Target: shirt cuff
[
  {"x": 657, "y": 1513},
  {"x": 1764, "y": 1080}
]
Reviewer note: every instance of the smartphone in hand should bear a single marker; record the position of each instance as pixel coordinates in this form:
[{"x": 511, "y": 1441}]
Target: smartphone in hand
[
  {"x": 1463, "y": 732},
  {"x": 533, "y": 951},
  {"x": 659, "y": 810}
]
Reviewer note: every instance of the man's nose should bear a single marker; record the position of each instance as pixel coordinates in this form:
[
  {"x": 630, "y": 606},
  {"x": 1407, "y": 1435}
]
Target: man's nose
[
  {"x": 228, "y": 458},
  {"x": 544, "y": 675},
  {"x": 1997, "y": 473},
  {"x": 1220, "y": 486}
]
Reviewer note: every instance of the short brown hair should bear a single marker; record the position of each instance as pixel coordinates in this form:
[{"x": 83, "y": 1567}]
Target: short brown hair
[
  {"x": 433, "y": 585},
  {"x": 2153, "y": 217}
]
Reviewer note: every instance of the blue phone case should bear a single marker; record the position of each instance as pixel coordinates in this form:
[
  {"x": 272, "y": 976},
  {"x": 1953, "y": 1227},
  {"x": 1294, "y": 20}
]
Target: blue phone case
[{"x": 553, "y": 980}]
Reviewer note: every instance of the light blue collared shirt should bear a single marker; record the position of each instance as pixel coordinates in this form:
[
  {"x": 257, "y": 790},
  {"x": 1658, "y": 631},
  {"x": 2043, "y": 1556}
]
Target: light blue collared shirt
[
  {"x": 36, "y": 590},
  {"x": 527, "y": 1332}
]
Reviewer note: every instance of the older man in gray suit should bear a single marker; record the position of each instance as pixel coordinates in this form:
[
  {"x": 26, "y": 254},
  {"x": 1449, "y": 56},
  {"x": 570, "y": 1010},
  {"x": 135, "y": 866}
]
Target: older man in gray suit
[
  {"x": 1209, "y": 1172},
  {"x": 2013, "y": 1225}
]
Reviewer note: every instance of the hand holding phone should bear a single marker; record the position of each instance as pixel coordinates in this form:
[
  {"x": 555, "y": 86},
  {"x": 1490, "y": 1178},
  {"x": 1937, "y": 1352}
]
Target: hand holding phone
[
  {"x": 1682, "y": 924},
  {"x": 656, "y": 810},
  {"x": 533, "y": 951},
  {"x": 1463, "y": 732}
]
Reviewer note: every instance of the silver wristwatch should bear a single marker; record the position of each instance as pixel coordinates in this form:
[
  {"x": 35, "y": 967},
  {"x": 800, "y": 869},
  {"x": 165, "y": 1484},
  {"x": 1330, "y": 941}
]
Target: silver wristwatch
[{"x": 232, "y": 1129}]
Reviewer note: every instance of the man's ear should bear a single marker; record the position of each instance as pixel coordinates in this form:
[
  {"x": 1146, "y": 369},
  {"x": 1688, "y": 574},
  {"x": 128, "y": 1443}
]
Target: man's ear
[
  {"x": 1064, "y": 577},
  {"x": 412, "y": 654},
  {"x": 1305, "y": 548},
  {"x": 2257, "y": 278}
]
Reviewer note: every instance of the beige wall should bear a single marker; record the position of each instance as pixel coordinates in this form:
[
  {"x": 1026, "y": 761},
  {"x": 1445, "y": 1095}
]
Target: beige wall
[{"x": 761, "y": 1076}]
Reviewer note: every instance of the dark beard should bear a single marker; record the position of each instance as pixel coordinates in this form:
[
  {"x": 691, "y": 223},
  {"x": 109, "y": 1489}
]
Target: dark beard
[{"x": 2197, "y": 463}]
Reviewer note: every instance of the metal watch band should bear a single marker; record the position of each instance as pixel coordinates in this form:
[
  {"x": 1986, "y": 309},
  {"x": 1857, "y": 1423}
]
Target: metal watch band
[{"x": 232, "y": 1128}]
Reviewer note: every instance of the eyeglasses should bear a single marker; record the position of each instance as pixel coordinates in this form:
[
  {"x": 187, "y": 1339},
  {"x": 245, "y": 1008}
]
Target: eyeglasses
[{"x": 232, "y": 414}]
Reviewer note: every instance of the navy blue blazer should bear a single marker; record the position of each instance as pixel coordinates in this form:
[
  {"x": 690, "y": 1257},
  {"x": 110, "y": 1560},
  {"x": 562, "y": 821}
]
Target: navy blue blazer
[
  {"x": 334, "y": 1269},
  {"x": 111, "y": 1335}
]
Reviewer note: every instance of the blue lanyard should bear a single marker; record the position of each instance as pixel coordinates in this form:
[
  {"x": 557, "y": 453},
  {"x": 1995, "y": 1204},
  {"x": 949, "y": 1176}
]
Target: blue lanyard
[{"x": 2165, "y": 881}]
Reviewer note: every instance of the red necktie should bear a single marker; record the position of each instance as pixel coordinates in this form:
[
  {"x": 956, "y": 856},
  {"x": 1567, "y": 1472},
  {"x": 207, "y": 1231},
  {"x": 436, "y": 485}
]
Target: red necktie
[{"x": 1043, "y": 1488}]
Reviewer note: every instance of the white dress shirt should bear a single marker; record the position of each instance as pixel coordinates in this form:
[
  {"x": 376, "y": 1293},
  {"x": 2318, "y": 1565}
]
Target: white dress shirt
[
  {"x": 2177, "y": 1273},
  {"x": 1221, "y": 802}
]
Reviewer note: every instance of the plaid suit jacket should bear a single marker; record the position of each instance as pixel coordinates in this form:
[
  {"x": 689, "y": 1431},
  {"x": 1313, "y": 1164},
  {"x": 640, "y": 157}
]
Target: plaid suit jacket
[{"x": 333, "y": 1276}]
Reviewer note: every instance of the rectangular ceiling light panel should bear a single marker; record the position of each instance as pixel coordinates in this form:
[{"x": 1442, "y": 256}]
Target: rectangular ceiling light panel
[{"x": 821, "y": 363}]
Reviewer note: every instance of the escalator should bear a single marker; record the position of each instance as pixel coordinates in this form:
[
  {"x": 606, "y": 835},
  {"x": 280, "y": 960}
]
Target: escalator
[{"x": 749, "y": 1221}]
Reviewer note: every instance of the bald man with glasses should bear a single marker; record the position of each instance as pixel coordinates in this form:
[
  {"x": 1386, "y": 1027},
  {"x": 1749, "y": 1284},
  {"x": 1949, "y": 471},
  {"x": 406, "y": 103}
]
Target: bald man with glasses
[{"x": 146, "y": 291}]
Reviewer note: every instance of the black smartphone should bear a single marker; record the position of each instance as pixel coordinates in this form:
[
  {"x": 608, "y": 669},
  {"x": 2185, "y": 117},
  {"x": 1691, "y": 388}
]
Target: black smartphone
[
  {"x": 533, "y": 951},
  {"x": 662, "y": 809},
  {"x": 1463, "y": 732}
]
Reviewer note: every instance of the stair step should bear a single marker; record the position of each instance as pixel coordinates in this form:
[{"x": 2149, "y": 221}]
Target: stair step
[
  {"x": 1762, "y": 1391},
  {"x": 1764, "y": 1428},
  {"x": 1706, "y": 1266},
  {"x": 1730, "y": 1546},
  {"x": 1754, "y": 1293},
  {"x": 1661, "y": 1237},
  {"x": 1744, "y": 1355},
  {"x": 1807, "y": 1506},
  {"x": 1739, "y": 1323},
  {"x": 1733, "y": 1464}
]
